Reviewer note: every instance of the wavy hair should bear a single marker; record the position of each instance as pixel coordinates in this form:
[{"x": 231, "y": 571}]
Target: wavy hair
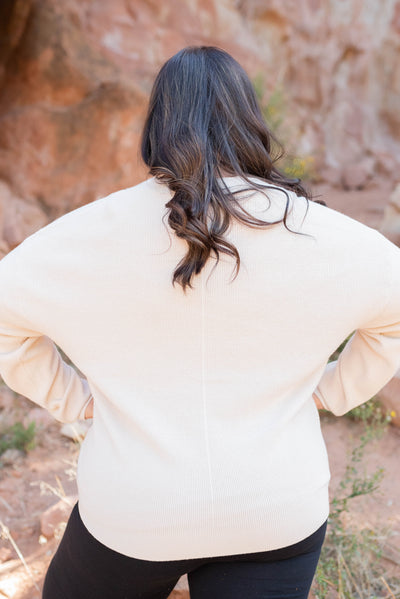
[{"x": 204, "y": 122}]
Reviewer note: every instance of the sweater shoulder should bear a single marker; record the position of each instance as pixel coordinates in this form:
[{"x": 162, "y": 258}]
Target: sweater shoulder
[
  {"x": 333, "y": 226},
  {"x": 95, "y": 218},
  {"x": 84, "y": 230},
  {"x": 111, "y": 205}
]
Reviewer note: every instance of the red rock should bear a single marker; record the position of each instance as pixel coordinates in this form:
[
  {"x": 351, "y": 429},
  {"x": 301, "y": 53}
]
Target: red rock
[
  {"x": 356, "y": 175},
  {"x": 75, "y": 76},
  {"x": 56, "y": 515},
  {"x": 386, "y": 164},
  {"x": 69, "y": 118},
  {"x": 18, "y": 218},
  {"x": 12, "y": 457},
  {"x": 331, "y": 175}
]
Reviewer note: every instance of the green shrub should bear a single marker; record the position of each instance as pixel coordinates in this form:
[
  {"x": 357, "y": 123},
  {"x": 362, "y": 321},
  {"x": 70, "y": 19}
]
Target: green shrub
[
  {"x": 373, "y": 415},
  {"x": 350, "y": 564},
  {"x": 274, "y": 110},
  {"x": 19, "y": 437}
]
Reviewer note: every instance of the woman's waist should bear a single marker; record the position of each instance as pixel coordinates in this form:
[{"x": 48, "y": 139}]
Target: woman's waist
[{"x": 258, "y": 472}]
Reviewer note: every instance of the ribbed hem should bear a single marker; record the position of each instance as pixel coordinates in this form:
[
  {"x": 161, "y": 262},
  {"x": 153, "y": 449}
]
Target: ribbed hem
[{"x": 254, "y": 530}]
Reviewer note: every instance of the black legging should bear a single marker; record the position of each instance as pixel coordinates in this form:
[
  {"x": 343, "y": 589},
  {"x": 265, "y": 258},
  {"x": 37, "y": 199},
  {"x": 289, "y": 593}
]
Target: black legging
[{"x": 84, "y": 568}]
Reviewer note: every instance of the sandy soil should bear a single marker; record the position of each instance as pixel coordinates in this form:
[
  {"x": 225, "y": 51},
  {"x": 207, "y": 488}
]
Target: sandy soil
[
  {"x": 365, "y": 205},
  {"x": 31, "y": 484}
]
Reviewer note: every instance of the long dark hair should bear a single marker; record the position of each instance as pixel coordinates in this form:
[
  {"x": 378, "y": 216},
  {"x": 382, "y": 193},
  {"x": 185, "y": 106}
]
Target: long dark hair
[{"x": 204, "y": 121}]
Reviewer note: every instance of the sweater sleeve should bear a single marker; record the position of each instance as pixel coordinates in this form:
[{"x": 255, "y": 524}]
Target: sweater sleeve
[
  {"x": 30, "y": 363},
  {"x": 371, "y": 356}
]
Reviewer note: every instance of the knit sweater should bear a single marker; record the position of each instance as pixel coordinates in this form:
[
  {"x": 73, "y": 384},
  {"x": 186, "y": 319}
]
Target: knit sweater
[{"x": 205, "y": 438}]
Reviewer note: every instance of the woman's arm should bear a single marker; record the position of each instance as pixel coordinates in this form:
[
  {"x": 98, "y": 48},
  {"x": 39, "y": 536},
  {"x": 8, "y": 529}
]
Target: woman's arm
[
  {"x": 30, "y": 363},
  {"x": 371, "y": 357}
]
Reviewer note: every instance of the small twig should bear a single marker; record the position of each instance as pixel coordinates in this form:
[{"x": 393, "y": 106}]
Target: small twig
[
  {"x": 349, "y": 574},
  {"x": 46, "y": 486},
  {"x": 388, "y": 587},
  {"x": 5, "y": 531},
  {"x": 329, "y": 582},
  {"x": 60, "y": 486},
  {"x": 8, "y": 506},
  {"x": 340, "y": 585},
  {"x": 367, "y": 578},
  {"x": 388, "y": 552}
]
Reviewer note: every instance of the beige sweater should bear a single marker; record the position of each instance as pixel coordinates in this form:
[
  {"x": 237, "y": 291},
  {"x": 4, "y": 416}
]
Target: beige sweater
[{"x": 205, "y": 440}]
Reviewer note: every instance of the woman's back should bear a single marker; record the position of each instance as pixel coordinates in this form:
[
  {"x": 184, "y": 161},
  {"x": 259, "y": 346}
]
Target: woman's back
[{"x": 206, "y": 395}]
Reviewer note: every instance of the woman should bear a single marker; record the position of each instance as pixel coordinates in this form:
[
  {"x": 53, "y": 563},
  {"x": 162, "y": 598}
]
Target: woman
[{"x": 205, "y": 455}]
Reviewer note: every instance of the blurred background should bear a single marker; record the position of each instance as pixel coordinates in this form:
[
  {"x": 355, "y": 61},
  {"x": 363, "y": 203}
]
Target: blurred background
[{"x": 75, "y": 77}]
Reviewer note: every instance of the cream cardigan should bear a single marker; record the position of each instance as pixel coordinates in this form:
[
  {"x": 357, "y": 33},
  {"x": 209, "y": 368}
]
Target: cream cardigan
[{"x": 205, "y": 440}]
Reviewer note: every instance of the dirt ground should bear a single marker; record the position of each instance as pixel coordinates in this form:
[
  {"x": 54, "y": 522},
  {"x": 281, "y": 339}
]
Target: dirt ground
[{"x": 32, "y": 483}]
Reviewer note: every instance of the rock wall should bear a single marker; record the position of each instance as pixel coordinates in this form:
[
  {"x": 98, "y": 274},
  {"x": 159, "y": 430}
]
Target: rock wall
[{"x": 75, "y": 76}]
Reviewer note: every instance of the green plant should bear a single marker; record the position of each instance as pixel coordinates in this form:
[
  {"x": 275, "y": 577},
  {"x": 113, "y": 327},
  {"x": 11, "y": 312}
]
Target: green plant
[
  {"x": 300, "y": 168},
  {"x": 275, "y": 107},
  {"x": 373, "y": 415},
  {"x": 19, "y": 437},
  {"x": 274, "y": 110},
  {"x": 349, "y": 565}
]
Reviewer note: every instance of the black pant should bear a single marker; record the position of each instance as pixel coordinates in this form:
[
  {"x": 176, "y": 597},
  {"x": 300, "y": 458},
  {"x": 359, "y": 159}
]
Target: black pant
[{"x": 84, "y": 568}]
